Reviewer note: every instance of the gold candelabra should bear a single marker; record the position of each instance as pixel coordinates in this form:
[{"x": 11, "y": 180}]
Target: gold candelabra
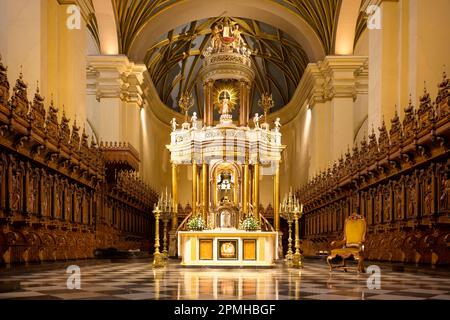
[
  {"x": 163, "y": 209},
  {"x": 186, "y": 102},
  {"x": 266, "y": 103},
  {"x": 166, "y": 204},
  {"x": 290, "y": 209},
  {"x": 158, "y": 260},
  {"x": 298, "y": 257}
]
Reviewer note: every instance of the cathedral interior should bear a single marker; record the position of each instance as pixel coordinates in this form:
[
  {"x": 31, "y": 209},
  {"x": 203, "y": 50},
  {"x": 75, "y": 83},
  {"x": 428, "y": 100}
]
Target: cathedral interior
[{"x": 227, "y": 149}]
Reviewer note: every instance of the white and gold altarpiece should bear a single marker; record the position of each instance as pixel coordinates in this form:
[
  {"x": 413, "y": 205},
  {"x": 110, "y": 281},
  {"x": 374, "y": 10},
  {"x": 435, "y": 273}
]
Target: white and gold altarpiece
[{"x": 227, "y": 159}]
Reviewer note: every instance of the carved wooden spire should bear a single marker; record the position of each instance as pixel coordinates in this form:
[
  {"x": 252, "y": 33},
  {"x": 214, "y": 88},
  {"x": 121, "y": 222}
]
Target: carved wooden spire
[
  {"x": 4, "y": 84},
  {"x": 383, "y": 138},
  {"x": 19, "y": 99},
  {"x": 395, "y": 132},
  {"x": 37, "y": 110},
  {"x": 443, "y": 88},
  {"x": 64, "y": 131},
  {"x": 75, "y": 137}
]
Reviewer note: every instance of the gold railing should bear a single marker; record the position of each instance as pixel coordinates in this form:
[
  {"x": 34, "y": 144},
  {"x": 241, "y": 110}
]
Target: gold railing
[
  {"x": 265, "y": 223},
  {"x": 182, "y": 225}
]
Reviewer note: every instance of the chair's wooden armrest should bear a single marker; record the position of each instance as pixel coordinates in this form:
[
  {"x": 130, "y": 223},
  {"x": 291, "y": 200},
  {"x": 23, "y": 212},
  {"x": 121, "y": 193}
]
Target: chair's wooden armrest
[{"x": 338, "y": 243}]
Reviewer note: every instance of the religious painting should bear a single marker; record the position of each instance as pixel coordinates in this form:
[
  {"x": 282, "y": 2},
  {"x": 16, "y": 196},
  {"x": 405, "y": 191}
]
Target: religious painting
[{"x": 227, "y": 249}]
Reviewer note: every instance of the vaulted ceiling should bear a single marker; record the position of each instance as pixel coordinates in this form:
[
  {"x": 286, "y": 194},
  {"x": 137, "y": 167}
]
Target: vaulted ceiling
[
  {"x": 173, "y": 56},
  {"x": 175, "y": 60}
]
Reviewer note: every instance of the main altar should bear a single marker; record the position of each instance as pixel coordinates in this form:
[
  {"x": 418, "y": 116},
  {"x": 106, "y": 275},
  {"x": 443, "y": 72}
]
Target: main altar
[{"x": 227, "y": 157}]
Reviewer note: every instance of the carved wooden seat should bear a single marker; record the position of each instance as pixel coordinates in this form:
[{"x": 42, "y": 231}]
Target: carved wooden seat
[{"x": 352, "y": 245}]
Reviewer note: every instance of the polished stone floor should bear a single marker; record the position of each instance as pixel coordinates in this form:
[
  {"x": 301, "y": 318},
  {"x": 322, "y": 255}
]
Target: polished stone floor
[{"x": 136, "y": 280}]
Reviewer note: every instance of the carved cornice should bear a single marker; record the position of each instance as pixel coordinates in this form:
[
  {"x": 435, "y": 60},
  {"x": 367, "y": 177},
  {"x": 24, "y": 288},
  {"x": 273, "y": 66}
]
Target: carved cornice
[
  {"x": 335, "y": 76},
  {"x": 115, "y": 77},
  {"x": 120, "y": 153},
  {"x": 341, "y": 75}
]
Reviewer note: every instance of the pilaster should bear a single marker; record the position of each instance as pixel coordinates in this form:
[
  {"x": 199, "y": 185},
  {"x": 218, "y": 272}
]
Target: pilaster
[{"x": 115, "y": 87}]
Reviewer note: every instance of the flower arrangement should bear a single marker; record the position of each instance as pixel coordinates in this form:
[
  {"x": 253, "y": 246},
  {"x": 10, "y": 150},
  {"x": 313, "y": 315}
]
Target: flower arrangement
[
  {"x": 250, "y": 224},
  {"x": 196, "y": 224}
]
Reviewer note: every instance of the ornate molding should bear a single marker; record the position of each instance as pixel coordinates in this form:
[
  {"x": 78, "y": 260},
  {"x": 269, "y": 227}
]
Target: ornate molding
[
  {"x": 115, "y": 77},
  {"x": 335, "y": 76}
]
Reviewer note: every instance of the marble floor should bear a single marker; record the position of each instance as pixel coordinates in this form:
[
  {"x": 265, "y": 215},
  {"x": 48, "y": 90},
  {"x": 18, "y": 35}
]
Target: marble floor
[{"x": 136, "y": 280}]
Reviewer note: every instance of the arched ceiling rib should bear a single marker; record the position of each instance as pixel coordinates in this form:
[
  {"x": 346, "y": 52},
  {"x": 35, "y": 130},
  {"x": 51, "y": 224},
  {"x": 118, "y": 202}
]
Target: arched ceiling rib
[
  {"x": 88, "y": 14},
  {"x": 141, "y": 22},
  {"x": 361, "y": 23},
  {"x": 321, "y": 15},
  {"x": 133, "y": 16}
]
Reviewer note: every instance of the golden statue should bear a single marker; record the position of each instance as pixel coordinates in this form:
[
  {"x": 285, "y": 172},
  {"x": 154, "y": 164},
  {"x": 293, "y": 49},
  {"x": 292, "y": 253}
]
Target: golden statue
[
  {"x": 225, "y": 106},
  {"x": 226, "y": 38},
  {"x": 238, "y": 42},
  {"x": 215, "y": 38}
]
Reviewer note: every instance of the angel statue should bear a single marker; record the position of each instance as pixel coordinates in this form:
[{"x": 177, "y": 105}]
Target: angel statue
[
  {"x": 194, "y": 120},
  {"x": 174, "y": 124},
  {"x": 277, "y": 124},
  {"x": 256, "y": 119}
]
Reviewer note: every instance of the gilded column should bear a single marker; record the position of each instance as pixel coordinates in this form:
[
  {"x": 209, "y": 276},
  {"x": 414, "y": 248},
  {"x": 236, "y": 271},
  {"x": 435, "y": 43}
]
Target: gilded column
[
  {"x": 246, "y": 187},
  {"x": 276, "y": 198},
  {"x": 205, "y": 197},
  {"x": 208, "y": 105},
  {"x": 256, "y": 190},
  {"x": 205, "y": 103},
  {"x": 194, "y": 187},
  {"x": 242, "y": 101},
  {"x": 199, "y": 187},
  {"x": 174, "y": 197},
  {"x": 236, "y": 192},
  {"x": 251, "y": 183},
  {"x": 214, "y": 191},
  {"x": 247, "y": 103}
]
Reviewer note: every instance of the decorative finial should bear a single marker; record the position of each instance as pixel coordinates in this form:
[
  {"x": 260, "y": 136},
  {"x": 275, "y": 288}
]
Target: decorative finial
[
  {"x": 64, "y": 118},
  {"x": 21, "y": 72},
  {"x": 2, "y": 67},
  {"x": 37, "y": 86}
]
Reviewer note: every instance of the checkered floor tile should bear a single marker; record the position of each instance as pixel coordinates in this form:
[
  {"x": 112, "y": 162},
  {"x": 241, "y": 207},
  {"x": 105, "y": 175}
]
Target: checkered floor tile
[{"x": 136, "y": 280}]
